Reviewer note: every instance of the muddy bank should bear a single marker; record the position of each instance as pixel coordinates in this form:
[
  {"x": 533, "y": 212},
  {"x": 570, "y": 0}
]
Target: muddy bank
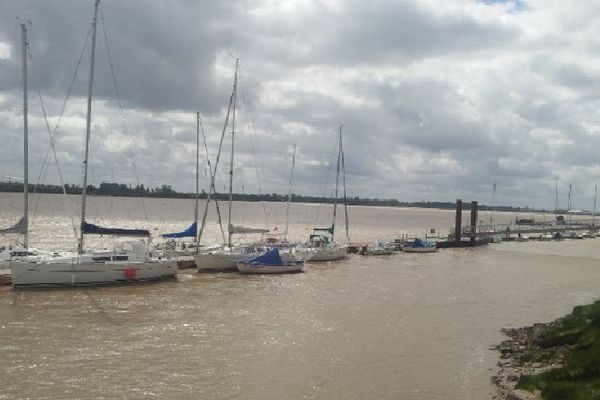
[{"x": 521, "y": 355}]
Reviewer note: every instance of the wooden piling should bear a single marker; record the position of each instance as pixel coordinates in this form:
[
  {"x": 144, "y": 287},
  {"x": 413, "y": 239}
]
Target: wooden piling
[
  {"x": 473, "y": 221},
  {"x": 458, "y": 221}
]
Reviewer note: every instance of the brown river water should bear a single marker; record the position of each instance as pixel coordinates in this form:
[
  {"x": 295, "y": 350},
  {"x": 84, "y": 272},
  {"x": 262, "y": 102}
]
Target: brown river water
[{"x": 393, "y": 327}]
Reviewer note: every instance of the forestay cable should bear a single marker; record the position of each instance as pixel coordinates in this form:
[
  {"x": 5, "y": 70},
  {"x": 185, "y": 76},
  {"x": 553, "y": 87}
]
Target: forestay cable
[
  {"x": 53, "y": 134},
  {"x": 120, "y": 105}
]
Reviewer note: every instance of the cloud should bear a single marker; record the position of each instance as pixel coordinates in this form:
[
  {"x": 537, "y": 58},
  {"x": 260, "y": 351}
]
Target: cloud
[{"x": 438, "y": 99}]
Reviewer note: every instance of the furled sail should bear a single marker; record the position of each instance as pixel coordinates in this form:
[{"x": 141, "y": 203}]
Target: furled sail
[
  {"x": 19, "y": 228},
  {"x": 242, "y": 229},
  {"x": 191, "y": 231},
  {"x": 271, "y": 257},
  {"x": 91, "y": 229}
]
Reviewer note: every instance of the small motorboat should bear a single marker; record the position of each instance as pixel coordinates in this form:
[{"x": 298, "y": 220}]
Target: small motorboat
[
  {"x": 420, "y": 246},
  {"x": 379, "y": 248},
  {"x": 271, "y": 263}
]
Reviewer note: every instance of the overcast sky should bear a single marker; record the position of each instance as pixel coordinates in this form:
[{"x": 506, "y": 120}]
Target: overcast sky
[{"x": 439, "y": 99}]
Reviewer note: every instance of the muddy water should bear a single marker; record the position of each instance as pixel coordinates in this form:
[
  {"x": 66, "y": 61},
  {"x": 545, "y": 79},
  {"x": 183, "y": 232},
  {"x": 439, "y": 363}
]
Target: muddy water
[{"x": 401, "y": 326}]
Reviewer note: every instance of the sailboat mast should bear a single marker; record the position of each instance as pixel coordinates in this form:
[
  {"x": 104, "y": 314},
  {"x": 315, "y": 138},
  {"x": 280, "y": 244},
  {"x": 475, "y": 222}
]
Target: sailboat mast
[
  {"x": 197, "y": 166},
  {"x": 213, "y": 170},
  {"x": 337, "y": 180},
  {"x": 493, "y": 200},
  {"x": 595, "y": 199},
  {"x": 25, "y": 141},
  {"x": 229, "y": 225},
  {"x": 88, "y": 124},
  {"x": 556, "y": 201},
  {"x": 287, "y": 210},
  {"x": 345, "y": 197}
]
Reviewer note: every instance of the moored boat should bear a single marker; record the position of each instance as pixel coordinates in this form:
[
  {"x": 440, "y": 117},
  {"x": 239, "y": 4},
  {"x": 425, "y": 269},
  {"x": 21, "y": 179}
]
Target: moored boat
[
  {"x": 419, "y": 246},
  {"x": 379, "y": 248},
  {"x": 128, "y": 262},
  {"x": 226, "y": 258},
  {"x": 228, "y": 255},
  {"x": 321, "y": 248},
  {"x": 271, "y": 263}
]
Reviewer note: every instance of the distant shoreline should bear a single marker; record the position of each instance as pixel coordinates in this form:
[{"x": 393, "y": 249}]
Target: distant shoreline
[{"x": 166, "y": 192}]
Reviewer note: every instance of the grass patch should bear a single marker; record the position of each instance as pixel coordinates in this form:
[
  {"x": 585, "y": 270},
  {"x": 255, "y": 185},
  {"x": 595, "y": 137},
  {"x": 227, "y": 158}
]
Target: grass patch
[{"x": 579, "y": 378}]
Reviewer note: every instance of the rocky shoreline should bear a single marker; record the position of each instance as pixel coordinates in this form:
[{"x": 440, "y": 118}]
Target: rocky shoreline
[{"x": 522, "y": 354}]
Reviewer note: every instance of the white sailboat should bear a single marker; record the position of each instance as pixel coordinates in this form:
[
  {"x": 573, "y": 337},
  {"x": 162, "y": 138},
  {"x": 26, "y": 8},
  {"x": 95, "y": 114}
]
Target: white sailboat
[
  {"x": 182, "y": 252},
  {"x": 13, "y": 252},
  {"x": 225, "y": 258},
  {"x": 129, "y": 260},
  {"x": 322, "y": 246}
]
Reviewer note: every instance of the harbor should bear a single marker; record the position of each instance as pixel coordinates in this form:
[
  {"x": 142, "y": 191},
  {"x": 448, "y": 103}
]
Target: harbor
[
  {"x": 389, "y": 327},
  {"x": 299, "y": 200},
  {"x": 474, "y": 233}
]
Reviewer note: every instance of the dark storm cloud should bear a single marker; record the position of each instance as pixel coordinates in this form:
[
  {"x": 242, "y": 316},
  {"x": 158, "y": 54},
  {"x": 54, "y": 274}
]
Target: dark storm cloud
[
  {"x": 163, "y": 52},
  {"x": 357, "y": 32},
  {"x": 438, "y": 99}
]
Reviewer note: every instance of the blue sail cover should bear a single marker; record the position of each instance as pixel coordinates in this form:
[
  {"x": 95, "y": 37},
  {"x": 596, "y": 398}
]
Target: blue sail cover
[
  {"x": 20, "y": 228},
  {"x": 423, "y": 243},
  {"x": 191, "y": 231},
  {"x": 271, "y": 257},
  {"x": 91, "y": 229}
]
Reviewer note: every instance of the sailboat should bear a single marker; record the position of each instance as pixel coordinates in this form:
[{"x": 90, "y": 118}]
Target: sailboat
[
  {"x": 12, "y": 252},
  {"x": 322, "y": 246},
  {"x": 226, "y": 257},
  {"x": 281, "y": 240},
  {"x": 129, "y": 260},
  {"x": 182, "y": 253},
  {"x": 271, "y": 263}
]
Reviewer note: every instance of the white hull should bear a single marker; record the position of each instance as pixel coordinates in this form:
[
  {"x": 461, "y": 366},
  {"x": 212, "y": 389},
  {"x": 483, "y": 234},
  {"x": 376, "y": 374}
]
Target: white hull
[
  {"x": 329, "y": 254},
  {"x": 36, "y": 274},
  {"x": 221, "y": 261},
  {"x": 246, "y": 268},
  {"x": 411, "y": 249}
]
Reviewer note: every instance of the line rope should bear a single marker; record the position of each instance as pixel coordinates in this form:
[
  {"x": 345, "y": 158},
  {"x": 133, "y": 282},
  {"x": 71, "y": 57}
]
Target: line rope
[{"x": 121, "y": 111}]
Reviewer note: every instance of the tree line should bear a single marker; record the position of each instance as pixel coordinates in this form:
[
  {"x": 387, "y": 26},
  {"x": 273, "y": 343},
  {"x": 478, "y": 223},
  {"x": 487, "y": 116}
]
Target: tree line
[{"x": 166, "y": 191}]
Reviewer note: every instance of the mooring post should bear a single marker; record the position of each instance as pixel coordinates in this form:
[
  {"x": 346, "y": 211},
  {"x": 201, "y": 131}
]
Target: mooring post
[
  {"x": 473, "y": 221},
  {"x": 458, "y": 221}
]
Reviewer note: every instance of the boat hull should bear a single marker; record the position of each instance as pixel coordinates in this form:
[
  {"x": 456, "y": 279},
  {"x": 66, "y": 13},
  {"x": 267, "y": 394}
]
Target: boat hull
[
  {"x": 248, "y": 268},
  {"x": 329, "y": 254},
  {"x": 40, "y": 274},
  {"x": 411, "y": 249},
  {"x": 378, "y": 252},
  {"x": 220, "y": 262}
]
